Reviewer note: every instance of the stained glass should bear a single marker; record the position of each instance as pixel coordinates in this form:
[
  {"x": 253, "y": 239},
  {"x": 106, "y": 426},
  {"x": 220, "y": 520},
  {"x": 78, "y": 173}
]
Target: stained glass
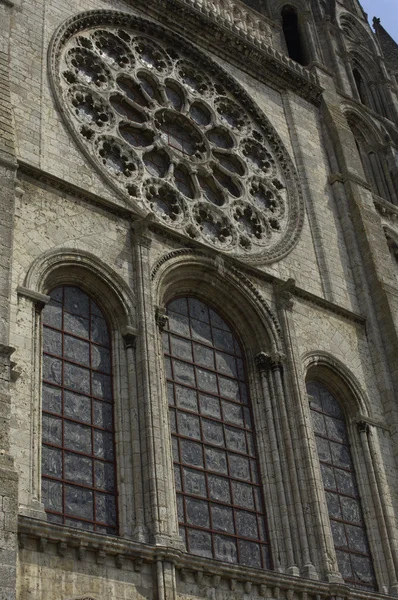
[
  {"x": 77, "y": 367},
  {"x": 344, "y": 507},
  {"x": 219, "y": 499}
]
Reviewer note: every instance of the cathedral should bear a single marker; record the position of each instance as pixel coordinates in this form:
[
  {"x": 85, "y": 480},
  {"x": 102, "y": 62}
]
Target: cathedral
[{"x": 198, "y": 301}]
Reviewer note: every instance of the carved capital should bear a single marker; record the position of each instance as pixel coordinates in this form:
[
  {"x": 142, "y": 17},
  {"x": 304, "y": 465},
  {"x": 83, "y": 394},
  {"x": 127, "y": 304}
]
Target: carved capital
[
  {"x": 266, "y": 362},
  {"x": 130, "y": 337},
  {"x": 284, "y": 293},
  {"x": 38, "y": 299},
  {"x": 119, "y": 561},
  {"x": 161, "y": 317},
  {"x": 263, "y": 361},
  {"x": 363, "y": 427}
]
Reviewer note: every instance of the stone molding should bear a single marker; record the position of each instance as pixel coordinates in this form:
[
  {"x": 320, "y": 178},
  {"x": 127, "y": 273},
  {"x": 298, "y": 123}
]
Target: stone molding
[
  {"x": 66, "y": 187},
  {"x": 38, "y": 299},
  {"x": 240, "y": 35},
  {"x": 271, "y": 584},
  {"x": 183, "y": 256},
  {"x": 386, "y": 209},
  {"x": 245, "y": 272},
  {"x": 359, "y": 401},
  {"x": 59, "y": 259}
]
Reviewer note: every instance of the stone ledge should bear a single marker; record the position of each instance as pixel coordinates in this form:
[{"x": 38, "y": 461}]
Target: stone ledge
[{"x": 207, "y": 572}]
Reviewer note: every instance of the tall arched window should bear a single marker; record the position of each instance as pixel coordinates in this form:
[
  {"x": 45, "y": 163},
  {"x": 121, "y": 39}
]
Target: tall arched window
[
  {"x": 291, "y": 31},
  {"x": 219, "y": 497},
  {"x": 361, "y": 87},
  {"x": 78, "y": 455},
  {"x": 338, "y": 475}
]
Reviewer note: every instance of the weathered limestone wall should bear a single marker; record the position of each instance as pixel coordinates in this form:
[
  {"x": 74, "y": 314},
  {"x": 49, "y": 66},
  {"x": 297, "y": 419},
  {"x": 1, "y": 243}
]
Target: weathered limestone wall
[{"x": 49, "y": 216}]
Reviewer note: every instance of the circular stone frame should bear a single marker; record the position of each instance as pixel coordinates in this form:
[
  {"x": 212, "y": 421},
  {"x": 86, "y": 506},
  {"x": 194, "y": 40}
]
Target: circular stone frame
[{"x": 285, "y": 238}]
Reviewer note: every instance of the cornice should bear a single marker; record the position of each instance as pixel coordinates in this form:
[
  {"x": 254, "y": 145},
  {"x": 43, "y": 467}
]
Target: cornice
[
  {"x": 194, "y": 246},
  {"x": 30, "y": 171},
  {"x": 243, "y": 271},
  {"x": 238, "y": 34},
  {"x": 386, "y": 209},
  {"x": 209, "y": 572}
]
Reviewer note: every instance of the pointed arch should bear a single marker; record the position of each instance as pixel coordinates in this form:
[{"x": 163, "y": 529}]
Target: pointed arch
[
  {"x": 334, "y": 374},
  {"x": 186, "y": 272},
  {"x": 370, "y": 141},
  {"x": 77, "y": 266}
]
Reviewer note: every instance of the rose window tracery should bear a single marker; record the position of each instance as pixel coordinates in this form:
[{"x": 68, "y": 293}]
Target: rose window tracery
[{"x": 175, "y": 140}]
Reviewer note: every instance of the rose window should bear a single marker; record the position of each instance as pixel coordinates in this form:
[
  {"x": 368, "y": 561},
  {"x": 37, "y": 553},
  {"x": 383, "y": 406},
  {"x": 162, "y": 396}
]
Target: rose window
[{"x": 174, "y": 140}]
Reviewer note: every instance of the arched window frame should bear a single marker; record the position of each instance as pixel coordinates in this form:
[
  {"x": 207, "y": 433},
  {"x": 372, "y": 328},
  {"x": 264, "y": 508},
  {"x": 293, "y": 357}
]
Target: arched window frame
[
  {"x": 191, "y": 273},
  {"x": 70, "y": 328},
  {"x": 303, "y": 51},
  {"x": 368, "y": 463},
  {"x": 261, "y": 511},
  {"x": 352, "y": 445},
  {"x": 83, "y": 270},
  {"x": 373, "y": 157}
]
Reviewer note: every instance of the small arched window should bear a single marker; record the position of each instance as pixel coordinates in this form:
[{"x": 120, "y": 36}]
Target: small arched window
[
  {"x": 341, "y": 491},
  {"x": 78, "y": 454},
  {"x": 219, "y": 496},
  {"x": 291, "y": 31}
]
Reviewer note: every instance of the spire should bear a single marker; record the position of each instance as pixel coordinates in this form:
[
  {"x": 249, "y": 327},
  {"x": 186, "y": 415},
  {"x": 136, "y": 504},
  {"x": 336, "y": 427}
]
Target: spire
[{"x": 388, "y": 46}]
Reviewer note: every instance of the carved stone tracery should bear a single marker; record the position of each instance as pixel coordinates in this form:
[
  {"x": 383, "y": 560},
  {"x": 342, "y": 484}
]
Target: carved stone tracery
[{"x": 175, "y": 136}]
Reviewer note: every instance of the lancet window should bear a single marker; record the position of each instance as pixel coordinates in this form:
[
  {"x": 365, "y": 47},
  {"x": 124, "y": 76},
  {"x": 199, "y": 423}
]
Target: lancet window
[
  {"x": 78, "y": 455},
  {"x": 341, "y": 490},
  {"x": 291, "y": 31},
  {"x": 219, "y": 496}
]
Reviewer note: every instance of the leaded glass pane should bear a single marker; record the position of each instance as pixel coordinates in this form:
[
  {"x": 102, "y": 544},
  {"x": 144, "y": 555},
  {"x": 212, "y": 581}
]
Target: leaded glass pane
[
  {"x": 52, "y": 341},
  {"x": 79, "y": 502},
  {"x": 188, "y": 425},
  {"x": 52, "y": 495},
  {"x": 200, "y": 543},
  {"x": 52, "y": 430},
  {"x": 225, "y": 548},
  {"x": 77, "y": 325},
  {"x": 52, "y": 315},
  {"x": 186, "y": 398},
  {"x": 223, "y": 518},
  {"x": 181, "y": 348},
  {"x": 78, "y": 468},
  {"x": 78, "y": 444},
  {"x": 194, "y": 482},
  {"x": 210, "y": 406},
  {"x": 52, "y": 399},
  {"x": 77, "y": 378},
  {"x": 219, "y": 488},
  {"x": 348, "y": 531},
  {"x": 77, "y": 407},
  {"x": 77, "y": 350},
  {"x": 250, "y": 554},
  {"x": 220, "y": 505},
  {"x": 197, "y": 512}
]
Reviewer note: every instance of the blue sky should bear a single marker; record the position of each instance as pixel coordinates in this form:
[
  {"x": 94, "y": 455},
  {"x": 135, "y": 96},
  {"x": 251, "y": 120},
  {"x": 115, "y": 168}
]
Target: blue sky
[{"x": 387, "y": 11}]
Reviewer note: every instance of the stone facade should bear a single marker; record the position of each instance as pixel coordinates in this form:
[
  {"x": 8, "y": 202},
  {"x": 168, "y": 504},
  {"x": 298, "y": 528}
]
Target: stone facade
[{"x": 151, "y": 151}]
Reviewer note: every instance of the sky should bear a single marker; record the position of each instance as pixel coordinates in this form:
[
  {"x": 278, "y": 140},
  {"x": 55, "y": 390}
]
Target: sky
[{"x": 387, "y": 11}]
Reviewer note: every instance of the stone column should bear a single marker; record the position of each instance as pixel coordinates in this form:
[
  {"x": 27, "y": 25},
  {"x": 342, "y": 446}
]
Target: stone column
[
  {"x": 384, "y": 516},
  {"x": 35, "y": 304},
  {"x": 8, "y": 169},
  {"x": 139, "y": 531},
  {"x": 288, "y": 562},
  {"x": 312, "y": 44},
  {"x": 310, "y": 493},
  {"x": 308, "y": 569},
  {"x": 160, "y": 518},
  {"x": 350, "y": 75}
]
